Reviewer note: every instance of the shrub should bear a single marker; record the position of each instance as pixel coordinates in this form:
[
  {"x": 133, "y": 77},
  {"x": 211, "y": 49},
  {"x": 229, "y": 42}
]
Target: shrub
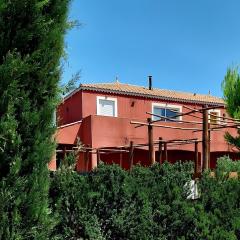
[
  {"x": 70, "y": 201},
  {"x": 226, "y": 165},
  {"x": 144, "y": 204}
]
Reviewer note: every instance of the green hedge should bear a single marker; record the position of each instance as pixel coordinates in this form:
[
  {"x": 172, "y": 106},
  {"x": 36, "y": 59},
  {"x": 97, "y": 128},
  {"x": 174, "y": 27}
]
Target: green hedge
[{"x": 146, "y": 203}]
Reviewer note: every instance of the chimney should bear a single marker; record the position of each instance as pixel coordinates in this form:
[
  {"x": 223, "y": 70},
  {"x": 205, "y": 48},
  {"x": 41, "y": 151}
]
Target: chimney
[{"x": 150, "y": 82}]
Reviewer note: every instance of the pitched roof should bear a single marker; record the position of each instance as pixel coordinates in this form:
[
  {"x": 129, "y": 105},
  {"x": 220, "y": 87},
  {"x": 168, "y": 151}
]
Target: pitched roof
[{"x": 132, "y": 90}]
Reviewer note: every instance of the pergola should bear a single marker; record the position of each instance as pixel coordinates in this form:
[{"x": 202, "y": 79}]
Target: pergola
[{"x": 204, "y": 126}]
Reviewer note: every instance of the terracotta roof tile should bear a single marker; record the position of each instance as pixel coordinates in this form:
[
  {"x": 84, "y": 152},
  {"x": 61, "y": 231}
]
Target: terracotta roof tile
[{"x": 133, "y": 90}]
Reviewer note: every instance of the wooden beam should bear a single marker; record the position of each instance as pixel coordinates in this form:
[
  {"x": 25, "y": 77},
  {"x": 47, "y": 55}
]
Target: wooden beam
[
  {"x": 131, "y": 151},
  {"x": 205, "y": 139},
  {"x": 112, "y": 150},
  {"x": 171, "y": 119},
  {"x": 203, "y": 108},
  {"x": 140, "y": 125},
  {"x": 197, "y": 110},
  {"x": 215, "y": 130},
  {"x": 86, "y": 160},
  {"x": 209, "y": 108},
  {"x": 183, "y": 143},
  {"x": 233, "y": 120},
  {"x": 186, "y": 113},
  {"x": 164, "y": 126},
  {"x": 160, "y": 151},
  {"x": 209, "y": 146},
  {"x": 226, "y": 126},
  {"x": 196, "y": 158},
  {"x": 195, "y": 116},
  {"x": 165, "y": 152},
  {"x": 98, "y": 157},
  {"x": 141, "y": 145},
  {"x": 65, "y": 151},
  {"x": 184, "y": 121},
  {"x": 176, "y": 140},
  {"x": 150, "y": 142},
  {"x": 121, "y": 158}
]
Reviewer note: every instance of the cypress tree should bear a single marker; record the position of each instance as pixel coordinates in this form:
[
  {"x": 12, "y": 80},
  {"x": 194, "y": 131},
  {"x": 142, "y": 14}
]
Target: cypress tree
[{"x": 31, "y": 46}]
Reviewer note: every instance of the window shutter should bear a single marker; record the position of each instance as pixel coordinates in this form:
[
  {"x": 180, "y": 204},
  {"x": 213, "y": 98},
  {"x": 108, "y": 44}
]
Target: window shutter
[
  {"x": 107, "y": 107},
  {"x": 213, "y": 117}
]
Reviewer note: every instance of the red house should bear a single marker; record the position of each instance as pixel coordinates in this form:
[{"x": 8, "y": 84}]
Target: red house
[{"x": 100, "y": 116}]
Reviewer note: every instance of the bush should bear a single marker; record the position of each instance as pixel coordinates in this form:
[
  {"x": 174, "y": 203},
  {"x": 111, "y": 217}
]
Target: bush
[
  {"x": 226, "y": 165},
  {"x": 112, "y": 203},
  {"x": 145, "y": 203},
  {"x": 220, "y": 197},
  {"x": 70, "y": 201}
]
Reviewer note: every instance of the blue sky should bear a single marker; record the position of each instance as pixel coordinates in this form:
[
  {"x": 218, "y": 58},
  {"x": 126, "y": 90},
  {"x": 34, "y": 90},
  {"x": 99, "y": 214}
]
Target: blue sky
[{"x": 185, "y": 45}]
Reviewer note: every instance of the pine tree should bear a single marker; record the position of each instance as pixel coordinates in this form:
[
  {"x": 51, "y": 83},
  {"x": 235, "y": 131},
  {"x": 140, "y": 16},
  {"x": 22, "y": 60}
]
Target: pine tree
[
  {"x": 231, "y": 91},
  {"x": 31, "y": 45}
]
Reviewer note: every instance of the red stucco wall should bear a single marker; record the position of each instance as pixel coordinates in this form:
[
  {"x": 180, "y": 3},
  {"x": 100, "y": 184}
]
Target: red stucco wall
[
  {"x": 84, "y": 103},
  {"x": 70, "y": 110},
  {"x": 128, "y": 106}
]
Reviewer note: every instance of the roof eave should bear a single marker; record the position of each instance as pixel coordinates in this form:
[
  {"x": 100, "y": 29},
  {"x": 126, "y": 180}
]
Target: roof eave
[{"x": 146, "y": 96}]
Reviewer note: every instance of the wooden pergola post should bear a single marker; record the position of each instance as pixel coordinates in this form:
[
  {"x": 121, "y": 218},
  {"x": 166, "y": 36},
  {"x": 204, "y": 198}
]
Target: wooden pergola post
[
  {"x": 64, "y": 152},
  {"x": 131, "y": 151},
  {"x": 165, "y": 152},
  {"x": 98, "y": 157},
  {"x": 209, "y": 145},
  {"x": 86, "y": 158},
  {"x": 196, "y": 158},
  {"x": 150, "y": 142},
  {"x": 64, "y": 155},
  {"x": 205, "y": 140},
  {"x": 121, "y": 157},
  {"x": 160, "y": 150}
]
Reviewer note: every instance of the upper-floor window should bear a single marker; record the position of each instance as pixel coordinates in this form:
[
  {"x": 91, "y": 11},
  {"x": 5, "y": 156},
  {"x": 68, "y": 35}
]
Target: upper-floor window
[
  {"x": 107, "y": 106},
  {"x": 166, "y": 112},
  {"x": 213, "y": 116}
]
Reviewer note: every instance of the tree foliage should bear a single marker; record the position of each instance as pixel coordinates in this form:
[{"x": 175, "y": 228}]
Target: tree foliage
[
  {"x": 231, "y": 91},
  {"x": 31, "y": 45},
  {"x": 146, "y": 203}
]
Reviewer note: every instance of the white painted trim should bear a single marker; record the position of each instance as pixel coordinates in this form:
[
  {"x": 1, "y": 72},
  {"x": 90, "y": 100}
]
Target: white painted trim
[
  {"x": 216, "y": 111},
  {"x": 69, "y": 124},
  {"x": 169, "y": 106},
  {"x": 110, "y": 99}
]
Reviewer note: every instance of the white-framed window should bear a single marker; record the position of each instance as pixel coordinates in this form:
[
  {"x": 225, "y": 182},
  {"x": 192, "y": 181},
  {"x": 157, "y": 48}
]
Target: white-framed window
[
  {"x": 107, "y": 106},
  {"x": 167, "y": 111},
  {"x": 213, "y": 115}
]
